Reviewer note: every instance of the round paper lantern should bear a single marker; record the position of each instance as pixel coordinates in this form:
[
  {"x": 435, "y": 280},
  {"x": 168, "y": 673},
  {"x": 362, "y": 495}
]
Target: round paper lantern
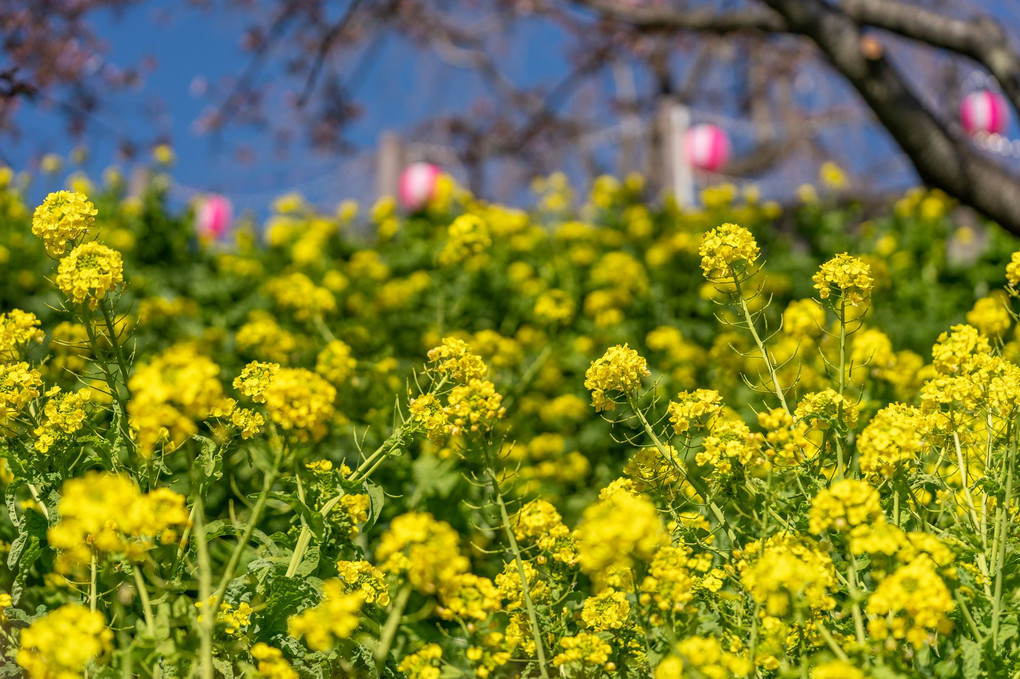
[
  {"x": 214, "y": 217},
  {"x": 418, "y": 185},
  {"x": 707, "y": 147},
  {"x": 984, "y": 111}
]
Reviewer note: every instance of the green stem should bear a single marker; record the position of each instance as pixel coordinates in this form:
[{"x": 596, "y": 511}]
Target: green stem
[
  {"x": 833, "y": 646},
  {"x": 665, "y": 453},
  {"x": 206, "y": 626},
  {"x": 855, "y": 597},
  {"x": 389, "y": 631},
  {"x": 364, "y": 470},
  {"x": 842, "y": 386},
  {"x": 253, "y": 519},
  {"x": 93, "y": 584},
  {"x": 536, "y": 631},
  {"x": 111, "y": 382},
  {"x": 1002, "y": 534},
  {"x": 143, "y": 594},
  {"x": 761, "y": 346},
  {"x": 117, "y": 349}
]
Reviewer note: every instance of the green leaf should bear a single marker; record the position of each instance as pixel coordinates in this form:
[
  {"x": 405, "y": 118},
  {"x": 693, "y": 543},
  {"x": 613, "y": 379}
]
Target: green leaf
[
  {"x": 376, "y": 500},
  {"x": 970, "y": 657},
  {"x": 287, "y": 596},
  {"x": 312, "y": 519},
  {"x": 208, "y": 460}
]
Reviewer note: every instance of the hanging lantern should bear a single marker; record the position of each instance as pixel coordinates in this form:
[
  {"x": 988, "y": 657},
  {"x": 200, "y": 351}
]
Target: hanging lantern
[
  {"x": 214, "y": 216},
  {"x": 707, "y": 147},
  {"x": 418, "y": 185},
  {"x": 984, "y": 111}
]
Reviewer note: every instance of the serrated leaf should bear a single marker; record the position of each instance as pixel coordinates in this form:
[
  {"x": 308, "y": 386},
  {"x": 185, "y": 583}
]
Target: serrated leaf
[
  {"x": 208, "y": 460},
  {"x": 970, "y": 657},
  {"x": 312, "y": 519},
  {"x": 287, "y": 596},
  {"x": 376, "y": 501}
]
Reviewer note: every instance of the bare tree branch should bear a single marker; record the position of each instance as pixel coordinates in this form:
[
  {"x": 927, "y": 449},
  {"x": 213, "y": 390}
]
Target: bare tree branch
[
  {"x": 672, "y": 19},
  {"x": 942, "y": 159},
  {"x": 980, "y": 38}
]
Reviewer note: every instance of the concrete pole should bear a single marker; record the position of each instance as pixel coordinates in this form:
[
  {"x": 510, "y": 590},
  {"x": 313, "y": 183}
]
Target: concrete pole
[{"x": 389, "y": 164}]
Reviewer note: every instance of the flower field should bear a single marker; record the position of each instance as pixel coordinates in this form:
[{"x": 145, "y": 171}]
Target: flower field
[{"x": 594, "y": 438}]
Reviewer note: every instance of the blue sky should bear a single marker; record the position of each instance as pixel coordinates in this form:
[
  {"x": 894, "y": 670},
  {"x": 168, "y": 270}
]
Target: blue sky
[
  {"x": 403, "y": 88},
  {"x": 189, "y": 44}
]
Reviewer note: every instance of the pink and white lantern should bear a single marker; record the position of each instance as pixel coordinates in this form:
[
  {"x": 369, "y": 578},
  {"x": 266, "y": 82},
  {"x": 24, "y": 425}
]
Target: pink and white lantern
[
  {"x": 707, "y": 147},
  {"x": 214, "y": 216},
  {"x": 984, "y": 111},
  {"x": 418, "y": 185}
]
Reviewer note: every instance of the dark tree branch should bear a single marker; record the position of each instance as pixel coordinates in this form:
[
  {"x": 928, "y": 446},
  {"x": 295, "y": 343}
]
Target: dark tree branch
[
  {"x": 671, "y": 19},
  {"x": 981, "y": 38},
  {"x": 942, "y": 159},
  {"x": 328, "y": 40}
]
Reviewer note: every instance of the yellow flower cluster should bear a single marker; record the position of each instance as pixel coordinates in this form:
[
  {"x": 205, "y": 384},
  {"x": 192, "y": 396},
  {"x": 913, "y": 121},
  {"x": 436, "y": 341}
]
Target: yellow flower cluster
[
  {"x": 607, "y": 611},
  {"x": 232, "y": 618},
  {"x": 848, "y": 277},
  {"x": 554, "y": 306},
  {"x": 454, "y": 359},
  {"x": 695, "y": 408},
  {"x": 468, "y": 236},
  {"x": 787, "y": 441},
  {"x": 912, "y": 604},
  {"x": 510, "y": 589},
  {"x": 17, "y": 329},
  {"x": 335, "y": 617},
  {"x": 170, "y": 395},
  {"x": 19, "y": 385},
  {"x": 271, "y": 663},
  {"x": 363, "y": 577},
  {"x": 254, "y": 379},
  {"x": 63, "y": 415},
  {"x": 605, "y": 544},
  {"x": 423, "y": 549},
  {"x": 468, "y": 597},
  {"x": 893, "y": 440},
  {"x": 473, "y": 408},
  {"x": 263, "y": 338},
  {"x": 335, "y": 363},
  {"x": 702, "y": 657},
  {"x": 300, "y": 402},
  {"x": 540, "y": 524},
  {"x": 790, "y": 574},
  {"x": 63, "y": 216},
  {"x": 90, "y": 272},
  {"x": 844, "y": 505},
  {"x": 583, "y": 650},
  {"x": 297, "y": 294},
  {"x": 727, "y": 253},
  {"x": 106, "y": 514},
  {"x": 619, "y": 370},
  {"x": 62, "y": 643},
  {"x": 730, "y": 441},
  {"x": 990, "y": 315},
  {"x": 1013, "y": 271},
  {"x": 422, "y": 664},
  {"x": 836, "y": 669},
  {"x": 826, "y": 408},
  {"x": 804, "y": 318},
  {"x": 668, "y": 585}
]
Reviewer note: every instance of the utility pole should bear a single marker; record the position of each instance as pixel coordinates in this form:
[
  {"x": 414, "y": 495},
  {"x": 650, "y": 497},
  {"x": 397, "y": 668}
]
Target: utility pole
[
  {"x": 671, "y": 166},
  {"x": 389, "y": 164}
]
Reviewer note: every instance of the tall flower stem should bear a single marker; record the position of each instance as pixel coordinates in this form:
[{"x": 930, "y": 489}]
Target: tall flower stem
[
  {"x": 253, "y": 519},
  {"x": 389, "y": 630},
  {"x": 536, "y": 631},
  {"x": 760, "y": 344}
]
